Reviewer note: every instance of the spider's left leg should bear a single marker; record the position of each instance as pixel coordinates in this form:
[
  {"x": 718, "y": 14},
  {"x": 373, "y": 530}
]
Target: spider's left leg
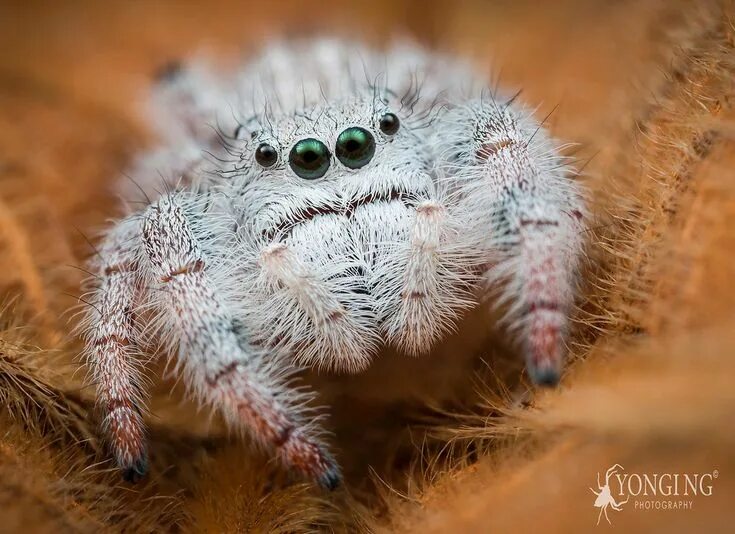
[
  {"x": 515, "y": 185},
  {"x": 189, "y": 110},
  {"x": 220, "y": 365}
]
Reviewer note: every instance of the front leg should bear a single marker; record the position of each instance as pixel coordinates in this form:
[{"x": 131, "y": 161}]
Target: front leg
[
  {"x": 112, "y": 337},
  {"x": 512, "y": 179},
  {"x": 222, "y": 369}
]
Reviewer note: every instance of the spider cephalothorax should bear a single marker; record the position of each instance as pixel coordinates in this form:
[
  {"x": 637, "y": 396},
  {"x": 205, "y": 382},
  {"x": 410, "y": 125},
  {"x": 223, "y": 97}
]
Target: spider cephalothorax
[{"x": 353, "y": 199}]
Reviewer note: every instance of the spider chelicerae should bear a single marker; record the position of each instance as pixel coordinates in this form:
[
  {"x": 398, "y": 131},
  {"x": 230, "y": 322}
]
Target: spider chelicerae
[{"x": 330, "y": 199}]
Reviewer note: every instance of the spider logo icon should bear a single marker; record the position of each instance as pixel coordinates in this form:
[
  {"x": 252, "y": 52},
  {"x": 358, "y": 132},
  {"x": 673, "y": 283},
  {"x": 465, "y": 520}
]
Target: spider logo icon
[{"x": 604, "y": 498}]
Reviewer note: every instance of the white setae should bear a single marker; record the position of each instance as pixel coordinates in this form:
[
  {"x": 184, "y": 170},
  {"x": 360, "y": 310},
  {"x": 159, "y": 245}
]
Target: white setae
[{"x": 329, "y": 199}]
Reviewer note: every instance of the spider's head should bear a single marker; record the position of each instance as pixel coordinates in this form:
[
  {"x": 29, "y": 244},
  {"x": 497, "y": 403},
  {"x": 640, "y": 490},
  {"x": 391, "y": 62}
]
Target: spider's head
[
  {"x": 330, "y": 196},
  {"x": 332, "y": 160}
]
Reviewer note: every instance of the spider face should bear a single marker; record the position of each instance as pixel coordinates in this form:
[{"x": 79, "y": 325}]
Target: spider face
[
  {"x": 338, "y": 188},
  {"x": 332, "y": 163}
]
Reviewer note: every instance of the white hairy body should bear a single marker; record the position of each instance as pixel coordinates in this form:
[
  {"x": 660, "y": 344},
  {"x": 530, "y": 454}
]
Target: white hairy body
[{"x": 248, "y": 272}]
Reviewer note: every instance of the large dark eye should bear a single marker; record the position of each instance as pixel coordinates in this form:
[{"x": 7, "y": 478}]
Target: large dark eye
[
  {"x": 355, "y": 147},
  {"x": 309, "y": 159},
  {"x": 389, "y": 124},
  {"x": 266, "y": 155}
]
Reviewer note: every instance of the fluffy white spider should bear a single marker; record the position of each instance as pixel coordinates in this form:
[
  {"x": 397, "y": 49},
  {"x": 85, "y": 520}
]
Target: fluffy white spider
[{"x": 330, "y": 199}]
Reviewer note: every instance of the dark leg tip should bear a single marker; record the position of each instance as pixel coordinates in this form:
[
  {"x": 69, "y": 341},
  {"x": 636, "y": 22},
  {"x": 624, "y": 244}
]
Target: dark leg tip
[
  {"x": 331, "y": 479},
  {"x": 547, "y": 376},
  {"x": 136, "y": 472},
  {"x": 169, "y": 72}
]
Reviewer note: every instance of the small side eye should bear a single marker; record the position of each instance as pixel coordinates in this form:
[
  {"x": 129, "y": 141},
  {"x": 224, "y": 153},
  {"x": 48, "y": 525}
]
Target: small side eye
[
  {"x": 309, "y": 159},
  {"x": 266, "y": 155},
  {"x": 355, "y": 147},
  {"x": 389, "y": 124}
]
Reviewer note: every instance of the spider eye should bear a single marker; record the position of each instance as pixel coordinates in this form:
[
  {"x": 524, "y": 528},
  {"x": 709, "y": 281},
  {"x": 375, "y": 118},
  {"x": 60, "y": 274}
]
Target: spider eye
[
  {"x": 309, "y": 159},
  {"x": 266, "y": 155},
  {"x": 355, "y": 147},
  {"x": 389, "y": 124}
]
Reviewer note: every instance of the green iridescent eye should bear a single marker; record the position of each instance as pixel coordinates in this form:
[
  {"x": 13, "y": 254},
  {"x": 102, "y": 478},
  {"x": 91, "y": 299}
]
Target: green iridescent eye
[
  {"x": 309, "y": 159},
  {"x": 355, "y": 147}
]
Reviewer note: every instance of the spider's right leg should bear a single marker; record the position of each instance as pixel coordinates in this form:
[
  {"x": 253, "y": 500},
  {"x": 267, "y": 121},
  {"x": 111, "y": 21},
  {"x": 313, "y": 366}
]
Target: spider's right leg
[
  {"x": 515, "y": 185},
  {"x": 221, "y": 368},
  {"x": 111, "y": 337}
]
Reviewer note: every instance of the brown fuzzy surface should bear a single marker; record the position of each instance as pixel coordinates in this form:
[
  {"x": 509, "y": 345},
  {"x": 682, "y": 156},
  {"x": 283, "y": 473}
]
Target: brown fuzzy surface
[{"x": 454, "y": 442}]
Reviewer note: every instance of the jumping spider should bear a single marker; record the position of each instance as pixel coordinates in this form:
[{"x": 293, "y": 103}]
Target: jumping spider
[{"x": 330, "y": 199}]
